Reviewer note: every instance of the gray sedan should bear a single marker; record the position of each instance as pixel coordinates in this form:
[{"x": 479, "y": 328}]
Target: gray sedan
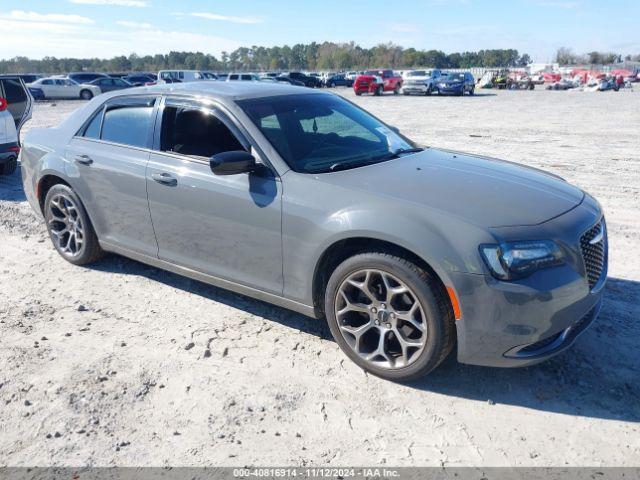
[{"x": 304, "y": 200}]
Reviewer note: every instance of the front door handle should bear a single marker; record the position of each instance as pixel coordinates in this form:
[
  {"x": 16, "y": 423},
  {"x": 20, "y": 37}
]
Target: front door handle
[
  {"x": 164, "y": 178},
  {"x": 84, "y": 159}
]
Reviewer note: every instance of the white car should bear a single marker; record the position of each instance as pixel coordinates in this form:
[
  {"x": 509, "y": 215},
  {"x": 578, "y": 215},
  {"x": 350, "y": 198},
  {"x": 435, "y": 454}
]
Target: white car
[
  {"x": 183, "y": 76},
  {"x": 420, "y": 82},
  {"x": 15, "y": 110},
  {"x": 246, "y": 77},
  {"x": 55, "y": 88}
]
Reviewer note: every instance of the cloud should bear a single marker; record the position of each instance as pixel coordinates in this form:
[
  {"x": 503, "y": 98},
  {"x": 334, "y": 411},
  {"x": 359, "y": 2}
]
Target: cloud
[
  {"x": 117, "y": 3},
  {"x": 222, "y": 18},
  {"x": 128, "y": 24},
  {"x": 40, "y": 39},
  {"x": 21, "y": 15}
]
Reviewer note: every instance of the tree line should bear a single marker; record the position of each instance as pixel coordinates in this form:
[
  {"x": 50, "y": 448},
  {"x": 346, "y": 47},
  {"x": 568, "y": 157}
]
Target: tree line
[
  {"x": 566, "y": 56},
  {"x": 313, "y": 56}
]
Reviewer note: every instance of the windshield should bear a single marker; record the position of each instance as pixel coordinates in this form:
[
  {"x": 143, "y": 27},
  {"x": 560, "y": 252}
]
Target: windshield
[
  {"x": 419, "y": 73},
  {"x": 323, "y": 133},
  {"x": 454, "y": 76}
]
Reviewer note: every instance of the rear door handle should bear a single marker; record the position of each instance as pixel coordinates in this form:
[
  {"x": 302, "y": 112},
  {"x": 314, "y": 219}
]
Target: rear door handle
[
  {"x": 164, "y": 178},
  {"x": 84, "y": 159}
]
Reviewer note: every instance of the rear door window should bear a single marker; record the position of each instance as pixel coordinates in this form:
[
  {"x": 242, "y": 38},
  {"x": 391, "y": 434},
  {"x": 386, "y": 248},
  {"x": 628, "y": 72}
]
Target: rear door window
[{"x": 128, "y": 124}]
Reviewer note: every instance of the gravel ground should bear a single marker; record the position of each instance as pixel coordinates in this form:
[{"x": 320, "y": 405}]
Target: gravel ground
[{"x": 124, "y": 364}]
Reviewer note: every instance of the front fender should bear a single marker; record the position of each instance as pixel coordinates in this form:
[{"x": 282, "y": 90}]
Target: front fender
[{"x": 320, "y": 220}]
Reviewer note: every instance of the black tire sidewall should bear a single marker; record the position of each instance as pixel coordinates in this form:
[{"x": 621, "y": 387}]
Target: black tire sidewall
[{"x": 432, "y": 353}]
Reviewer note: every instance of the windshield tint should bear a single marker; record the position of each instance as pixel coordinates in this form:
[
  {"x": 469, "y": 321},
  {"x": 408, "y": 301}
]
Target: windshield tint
[{"x": 323, "y": 133}]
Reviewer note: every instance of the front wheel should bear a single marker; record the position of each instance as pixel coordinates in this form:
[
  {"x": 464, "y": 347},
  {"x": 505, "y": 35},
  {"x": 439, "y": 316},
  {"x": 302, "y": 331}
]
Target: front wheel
[
  {"x": 396, "y": 90},
  {"x": 69, "y": 226},
  {"x": 472, "y": 91},
  {"x": 86, "y": 94},
  {"x": 389, "y": 316},
  {"x": 379, "y": 91}
]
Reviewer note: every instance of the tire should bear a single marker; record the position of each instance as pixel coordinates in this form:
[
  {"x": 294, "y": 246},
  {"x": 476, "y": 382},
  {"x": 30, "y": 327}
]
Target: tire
[
  {"x": 472, "y": 91},
  {"x": 396, "y": 90},
  {"x": 62, "y": 202},
  {"x": 379, "y": 91},
  {"x": 428, "y": 92},
  {"x": 358, "y": 94},
  {"x": 422, "y": 288},
  {"x": 9, "y": 167},
  {"x": 332, "y": 85},
  {"x": 86, "y": 94}
]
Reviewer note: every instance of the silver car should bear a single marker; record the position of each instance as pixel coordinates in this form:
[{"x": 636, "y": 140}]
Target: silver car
[{"x": 304, "y": 200}]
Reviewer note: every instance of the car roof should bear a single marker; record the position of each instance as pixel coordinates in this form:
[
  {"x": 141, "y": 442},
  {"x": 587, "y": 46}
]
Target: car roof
[{"x": 226, "y": 90}]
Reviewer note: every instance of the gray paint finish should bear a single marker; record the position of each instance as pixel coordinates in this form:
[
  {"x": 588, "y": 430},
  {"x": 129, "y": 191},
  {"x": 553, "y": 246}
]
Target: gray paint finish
[{"x": 262, "y": 234}]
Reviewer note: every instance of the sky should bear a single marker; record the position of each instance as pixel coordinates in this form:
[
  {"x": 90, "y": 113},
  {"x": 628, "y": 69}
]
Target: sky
[{"x": 106, "y": 28}]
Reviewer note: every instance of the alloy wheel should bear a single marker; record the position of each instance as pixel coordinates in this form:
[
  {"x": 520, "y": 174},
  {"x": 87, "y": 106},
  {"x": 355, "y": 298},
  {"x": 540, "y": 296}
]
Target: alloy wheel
[
  {"x": 381, "y": 319},
  {"x": 65, "y": 225}
]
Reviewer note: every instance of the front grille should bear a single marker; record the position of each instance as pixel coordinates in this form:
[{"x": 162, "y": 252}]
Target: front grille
[{"x": 594, "y": 253}]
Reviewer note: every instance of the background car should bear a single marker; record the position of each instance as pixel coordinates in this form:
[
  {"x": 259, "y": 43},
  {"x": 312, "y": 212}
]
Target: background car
[
  {"x": 420, "y": 82},
  {"x": 377, "y": 82},
  {"x": 307, "y": 80},
  {"x": 182, "y": 76},
  {"x": 242, "y": 77},
  {"x": 338, "y": 80},
  {"x": 456, "y": 84},
  {"x": 15, "y": 110},
  {"x": 25, "y": 77},
  {"x": 85, "y": 77},
  {"x": 288, "y": 80},
  {"x": 138, "y": 79},
  {"x": 56, "y": 88},
  {"x": 110, "y": 84}
]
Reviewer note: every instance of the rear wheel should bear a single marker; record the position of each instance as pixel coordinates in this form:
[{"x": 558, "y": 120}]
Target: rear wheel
[
  {"x": 69, "y": 226},
  {"x": 389, "y": 316},
  {"x": 86, "y": 94},
  {"x": 396, "y": 90},
  {"x": 379, "y": 90}
]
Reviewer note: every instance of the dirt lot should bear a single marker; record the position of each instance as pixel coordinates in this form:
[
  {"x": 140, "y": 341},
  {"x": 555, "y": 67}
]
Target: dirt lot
[{"x": 123, "y": 364}]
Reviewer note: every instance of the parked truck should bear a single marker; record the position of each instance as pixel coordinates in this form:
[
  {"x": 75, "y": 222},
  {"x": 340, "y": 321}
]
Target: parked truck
[{"x": 377, "y": 82}]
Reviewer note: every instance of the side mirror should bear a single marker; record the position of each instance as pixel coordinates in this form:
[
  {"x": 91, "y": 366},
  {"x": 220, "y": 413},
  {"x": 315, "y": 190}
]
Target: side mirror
[
  {"x": 232, "y": 163},
  {"x": 394, "y": 129}
]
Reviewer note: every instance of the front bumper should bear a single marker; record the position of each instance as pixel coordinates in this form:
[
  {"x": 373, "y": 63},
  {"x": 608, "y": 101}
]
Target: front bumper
[
  {"x": 519, "y": 323},
  {"x": 415, "y": 89},
  {"x": 450, "y": 90}
]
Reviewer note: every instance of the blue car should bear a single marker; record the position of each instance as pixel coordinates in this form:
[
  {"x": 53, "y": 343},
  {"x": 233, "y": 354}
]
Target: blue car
[
  {"x": 338, "y": 80},
  {"x": 456, "y": 84},
  {"x": 36, "y": 93}
]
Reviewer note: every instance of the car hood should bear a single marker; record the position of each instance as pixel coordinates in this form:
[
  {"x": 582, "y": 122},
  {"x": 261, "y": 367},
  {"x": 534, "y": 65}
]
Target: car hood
[{"x": 482, "y": 191}]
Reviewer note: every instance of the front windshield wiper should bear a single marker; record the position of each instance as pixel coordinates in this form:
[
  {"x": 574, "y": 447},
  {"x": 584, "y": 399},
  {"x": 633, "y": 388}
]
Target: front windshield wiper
[{"x": 401, "y": 151}]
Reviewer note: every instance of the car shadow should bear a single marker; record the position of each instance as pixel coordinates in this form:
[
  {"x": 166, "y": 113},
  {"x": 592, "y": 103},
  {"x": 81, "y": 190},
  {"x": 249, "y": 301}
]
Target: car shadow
[
  {"x": 11, "y": 187},
  {"x": 598, "y": 377}
]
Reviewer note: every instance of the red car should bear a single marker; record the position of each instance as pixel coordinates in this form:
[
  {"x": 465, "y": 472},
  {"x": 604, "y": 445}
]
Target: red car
[{"x": 377, "y": 82}]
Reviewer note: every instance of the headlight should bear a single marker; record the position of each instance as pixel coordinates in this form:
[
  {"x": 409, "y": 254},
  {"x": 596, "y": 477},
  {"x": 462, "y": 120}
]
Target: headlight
[
  {"x": 514, "y": 260},
  {"x": 443, "y": 85}
]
